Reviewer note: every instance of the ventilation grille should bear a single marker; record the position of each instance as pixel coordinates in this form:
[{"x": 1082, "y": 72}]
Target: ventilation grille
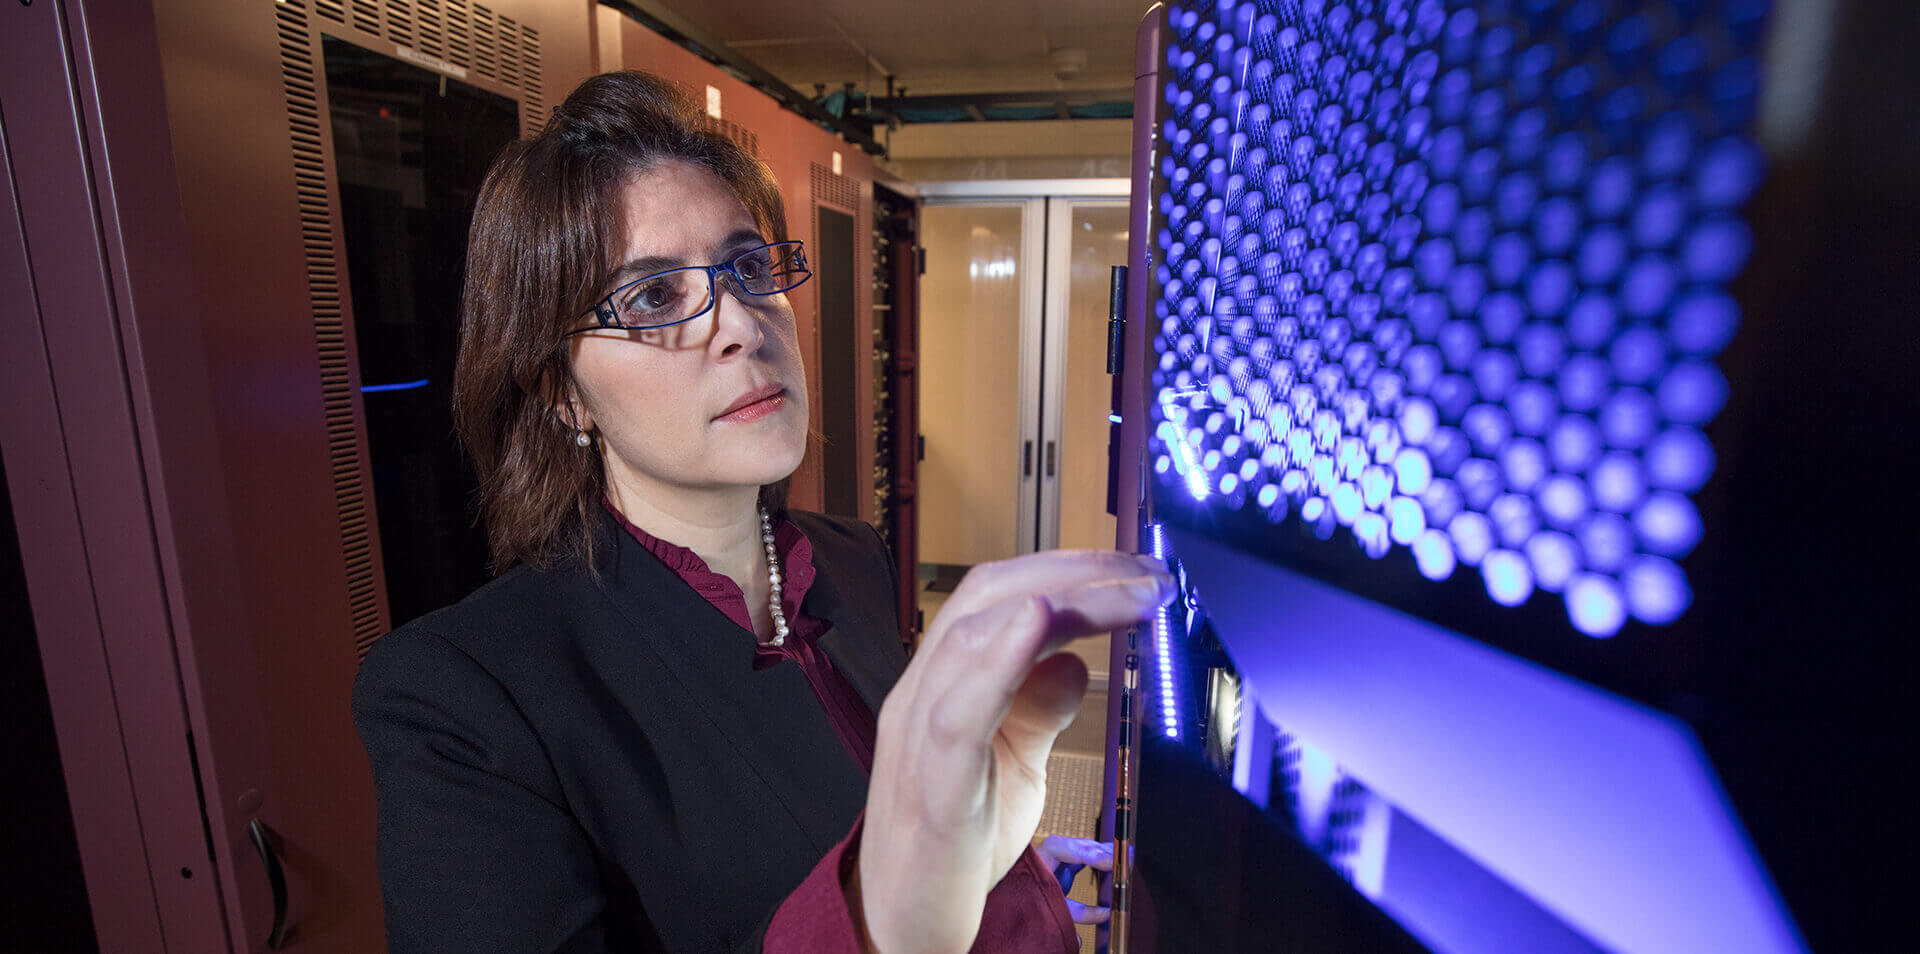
[
  {"x": 470, "y": 36},
  {"x": 364, "y": 607},
  {"x": 467, "y": 36},
  {"x": 835, "y": 190},
  {"x": 741, "y": 135},
  {"x": 846, "y": 193}
]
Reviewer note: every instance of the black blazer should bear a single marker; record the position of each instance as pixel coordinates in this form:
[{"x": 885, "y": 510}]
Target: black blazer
[{"x": 566, "y": 764}]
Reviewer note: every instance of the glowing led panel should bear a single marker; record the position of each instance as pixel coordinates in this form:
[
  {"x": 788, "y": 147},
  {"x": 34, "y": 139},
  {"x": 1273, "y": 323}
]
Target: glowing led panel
[
  {"x": 1437, "y": 276},
  {"x": 1163, "y": 648}
]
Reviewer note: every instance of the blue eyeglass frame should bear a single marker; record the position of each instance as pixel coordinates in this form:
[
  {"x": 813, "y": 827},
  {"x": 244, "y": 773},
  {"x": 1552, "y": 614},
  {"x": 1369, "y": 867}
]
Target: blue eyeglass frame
[{"x": 607, "y": 316}]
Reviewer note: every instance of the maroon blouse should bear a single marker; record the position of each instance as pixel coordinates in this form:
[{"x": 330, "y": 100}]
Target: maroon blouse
[{"x": 1025, "y": 912}]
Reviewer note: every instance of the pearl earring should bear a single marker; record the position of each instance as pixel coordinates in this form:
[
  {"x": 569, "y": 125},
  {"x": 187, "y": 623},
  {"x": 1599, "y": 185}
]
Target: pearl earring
[{"x": 582, "y": 438}]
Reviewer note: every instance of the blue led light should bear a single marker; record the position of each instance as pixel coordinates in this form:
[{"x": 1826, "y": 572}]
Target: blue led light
[
  {"x": 1347, "y": 503},
  {"x": 1514, "y": 519},
  {"x": 1163, "y": 645},
  {"x": 1407, "y": 520},
  {"x": 1656, "y": 590},
  {"x": 1472, "y": 535},
  {"x": 1524, "y": 463},
  {"x": 1584, "y": 382},
  {"x": 1667, "y": 525},
  {"x": 1509, "y": 579},
  {"x": 1479, "y": 481},
  {"x": 401, "y": 386},
  {"x": 1595, "y": 605},
  {"x": 1456, "y": 280},
  {"x": 1703, "y": 323},
  {"x": 1413, "y": 470},
  {"x": 1606, "y": 541},
  {"x": 1574, "y": 444},
  {"x": 1692, "y": 393},
  {"x": 1535, "y": 408},
  {"x": 1442, "y": 501},
  {"x": 1618, "y": 482},
  {"x": 1553, "y": 558},
  {"x": 1372, "y": 533},
  {"x": 1629, "y": 419},
  {"x": 1564, "y": 501},
  {"x": 1433, "y": 554},
  {"x": 1679, "y": 459}
]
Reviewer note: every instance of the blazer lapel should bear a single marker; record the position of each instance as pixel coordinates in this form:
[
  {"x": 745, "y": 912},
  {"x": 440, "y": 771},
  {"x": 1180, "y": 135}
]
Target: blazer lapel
[
  {"x": 766, "y": 717},
  {"x": 851, "y": 643}
]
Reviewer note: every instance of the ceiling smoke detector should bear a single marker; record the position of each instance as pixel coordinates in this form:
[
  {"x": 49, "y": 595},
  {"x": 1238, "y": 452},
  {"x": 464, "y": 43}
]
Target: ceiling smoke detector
[{"x": 1068, "y": 62}]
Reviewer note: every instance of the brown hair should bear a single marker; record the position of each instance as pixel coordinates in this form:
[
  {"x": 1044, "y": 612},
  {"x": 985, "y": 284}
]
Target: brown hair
[{"x": 546, "y": 231}]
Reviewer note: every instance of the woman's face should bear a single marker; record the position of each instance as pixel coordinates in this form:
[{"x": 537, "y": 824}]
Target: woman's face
[{"x": 668, "y": 403}]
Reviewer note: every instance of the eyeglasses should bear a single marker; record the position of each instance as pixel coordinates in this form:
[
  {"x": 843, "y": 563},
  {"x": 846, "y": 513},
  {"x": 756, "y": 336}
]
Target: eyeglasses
[{"x": 683, "y": 294}]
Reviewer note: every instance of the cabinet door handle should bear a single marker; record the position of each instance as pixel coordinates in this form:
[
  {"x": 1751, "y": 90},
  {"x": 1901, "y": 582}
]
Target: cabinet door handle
[
  {"x": 1026, "y": 459},
  {"x": 276, "y": 880},
  {"x": 1049, "y": 458}
]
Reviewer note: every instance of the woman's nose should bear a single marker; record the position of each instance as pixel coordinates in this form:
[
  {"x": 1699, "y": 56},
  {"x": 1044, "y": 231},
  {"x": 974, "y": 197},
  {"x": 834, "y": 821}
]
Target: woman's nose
[{"x": 736, "y": 327}]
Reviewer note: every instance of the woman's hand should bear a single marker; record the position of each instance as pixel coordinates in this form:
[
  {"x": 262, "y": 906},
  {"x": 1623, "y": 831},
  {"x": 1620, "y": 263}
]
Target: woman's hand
[
  {"x": 960, "y": 765},
  {"x": 1065, "y": 857}
]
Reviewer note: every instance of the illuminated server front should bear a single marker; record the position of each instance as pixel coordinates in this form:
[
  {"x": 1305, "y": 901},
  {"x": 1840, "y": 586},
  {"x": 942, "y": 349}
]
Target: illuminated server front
[{"x": 1438, "y": 297}]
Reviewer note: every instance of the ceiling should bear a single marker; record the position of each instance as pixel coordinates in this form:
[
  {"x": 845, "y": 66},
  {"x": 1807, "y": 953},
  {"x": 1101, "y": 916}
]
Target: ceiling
[{"x": 960, "y": 46}]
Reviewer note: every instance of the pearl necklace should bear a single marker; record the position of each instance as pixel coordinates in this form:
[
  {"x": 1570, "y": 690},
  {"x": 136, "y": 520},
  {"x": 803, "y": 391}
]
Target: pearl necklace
[{"x": 774, "y": 580}]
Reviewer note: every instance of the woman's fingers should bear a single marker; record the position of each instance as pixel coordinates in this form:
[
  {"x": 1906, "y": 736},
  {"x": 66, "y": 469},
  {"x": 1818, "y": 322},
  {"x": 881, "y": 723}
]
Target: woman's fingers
[
  {"x": 959, "y": 775},
  {"x": 1045, "y": 705},
  {"x": 1086, "y": 914},
  {"x": 1049, "y": 572},
  {"x": 1060, "y": 849},
  {"x": 986, "y": 656}
]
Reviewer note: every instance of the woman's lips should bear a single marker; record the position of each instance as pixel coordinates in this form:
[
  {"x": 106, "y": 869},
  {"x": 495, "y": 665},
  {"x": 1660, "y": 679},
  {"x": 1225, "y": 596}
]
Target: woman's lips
[{"x": 758, "y": 409}]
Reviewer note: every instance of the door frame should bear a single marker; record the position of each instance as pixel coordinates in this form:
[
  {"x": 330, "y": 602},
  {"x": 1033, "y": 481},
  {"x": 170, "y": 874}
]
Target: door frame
[{"x": 1059, "y": 248}]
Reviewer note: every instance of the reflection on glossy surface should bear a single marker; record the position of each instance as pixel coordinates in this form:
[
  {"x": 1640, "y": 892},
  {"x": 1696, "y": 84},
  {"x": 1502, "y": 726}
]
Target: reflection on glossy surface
[
  {"x": 970, "y": 373},
  {"x": 410, "y": 148}
]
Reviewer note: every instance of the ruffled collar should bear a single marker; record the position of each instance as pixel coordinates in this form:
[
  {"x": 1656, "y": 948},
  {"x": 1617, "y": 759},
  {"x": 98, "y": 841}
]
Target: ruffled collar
[{"x": 796, "y": 567}]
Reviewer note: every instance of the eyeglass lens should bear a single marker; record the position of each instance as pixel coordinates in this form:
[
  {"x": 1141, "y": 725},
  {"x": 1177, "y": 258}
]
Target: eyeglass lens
[{"x": 682, "y": 293}]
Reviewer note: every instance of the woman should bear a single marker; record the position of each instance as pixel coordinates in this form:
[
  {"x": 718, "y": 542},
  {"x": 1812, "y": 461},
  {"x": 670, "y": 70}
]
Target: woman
[{"x": 626, "y": 743}]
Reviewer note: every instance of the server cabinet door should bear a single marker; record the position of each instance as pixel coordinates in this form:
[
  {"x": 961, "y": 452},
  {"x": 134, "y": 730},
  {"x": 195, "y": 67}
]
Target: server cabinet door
[
  {"x": 169, "y": 472},
  {"x": 108, "y": 467}
]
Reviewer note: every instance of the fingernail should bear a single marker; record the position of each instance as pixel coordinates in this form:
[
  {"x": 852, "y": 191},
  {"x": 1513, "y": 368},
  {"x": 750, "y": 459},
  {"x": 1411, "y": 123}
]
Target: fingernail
[
  {"x": 1148, "y": 589},
  {"x": 1166, "y": 582}
]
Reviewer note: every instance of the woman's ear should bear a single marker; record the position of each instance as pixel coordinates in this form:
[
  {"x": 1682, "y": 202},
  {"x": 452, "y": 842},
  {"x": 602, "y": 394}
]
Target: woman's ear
[
  {"x": 574, "y": 414},
  {"x": 563, "y": 401}
]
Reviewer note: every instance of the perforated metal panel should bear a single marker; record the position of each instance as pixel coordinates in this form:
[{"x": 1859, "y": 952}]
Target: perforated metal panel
[
  {"x": 741, "y": 135},
  {"x": 1453, "y": 277},
  {"x": 845, "y": 192},
  {"x": 314, "y": 192},
  {"x": 466, "y": 36},
  {"x": 832, "y": 189}
]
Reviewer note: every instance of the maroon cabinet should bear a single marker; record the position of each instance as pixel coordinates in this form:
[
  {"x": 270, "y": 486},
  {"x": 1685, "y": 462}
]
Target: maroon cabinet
[{"x": 185, "y": 457}]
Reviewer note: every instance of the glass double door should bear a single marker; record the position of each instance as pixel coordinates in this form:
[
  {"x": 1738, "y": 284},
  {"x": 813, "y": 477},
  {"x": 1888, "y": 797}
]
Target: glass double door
[{"x": 1014, "y": 391}]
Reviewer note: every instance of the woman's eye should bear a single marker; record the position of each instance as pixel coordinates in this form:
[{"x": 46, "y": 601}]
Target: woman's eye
[
  {"x": 652, "y": 297},
  {"x": 751, "y": 268}
]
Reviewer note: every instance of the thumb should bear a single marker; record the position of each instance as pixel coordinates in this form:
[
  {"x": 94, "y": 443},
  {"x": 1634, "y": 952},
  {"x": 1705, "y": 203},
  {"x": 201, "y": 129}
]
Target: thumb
[{"x": 1046, "y": 702}]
